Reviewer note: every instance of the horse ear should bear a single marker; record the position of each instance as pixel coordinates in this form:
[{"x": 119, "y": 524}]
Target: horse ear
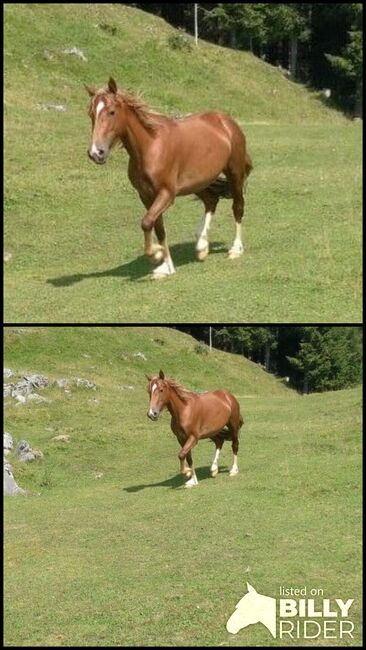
[
  {"x": 148, "y": 377},
  {"x": 250, "y": 588},
  {"x": 90, "y": 90},
  {"x": 112, "y": 86},
  {"x": 161, "y": 374}
]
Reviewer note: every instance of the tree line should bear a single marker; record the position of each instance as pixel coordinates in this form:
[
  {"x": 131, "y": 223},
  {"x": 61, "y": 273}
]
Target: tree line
[
  {"x": 319, "y": 44},
  {"x": 312, "y": 358}
]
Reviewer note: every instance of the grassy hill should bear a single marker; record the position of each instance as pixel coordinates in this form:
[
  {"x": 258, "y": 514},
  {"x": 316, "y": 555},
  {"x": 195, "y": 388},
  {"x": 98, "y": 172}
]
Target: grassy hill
[
  {"x": 131, "y": 557},
  {"x": 73, "y": 231}
]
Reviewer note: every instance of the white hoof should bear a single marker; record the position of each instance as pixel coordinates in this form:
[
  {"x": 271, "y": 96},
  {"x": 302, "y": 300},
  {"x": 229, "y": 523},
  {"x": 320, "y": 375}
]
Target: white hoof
[
  {"x": 234, "y": 471},
  {"x": 163, "y": 271},
  {"x": 187, "y": 473},
  {"x": 214, "y": 472},
  {"x": 235, "y": 252},
  {"x": 192, "y": 482},
  {"x": 202, "y": 254}
]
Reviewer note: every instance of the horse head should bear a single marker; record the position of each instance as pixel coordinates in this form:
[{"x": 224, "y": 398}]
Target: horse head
[
  {"x": 107, "y": 122},
  {"x": 158, "y": 390}
]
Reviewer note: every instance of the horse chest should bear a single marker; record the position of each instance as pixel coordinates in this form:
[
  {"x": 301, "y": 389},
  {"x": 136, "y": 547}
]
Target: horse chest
[{"x": 141, "y": 180}]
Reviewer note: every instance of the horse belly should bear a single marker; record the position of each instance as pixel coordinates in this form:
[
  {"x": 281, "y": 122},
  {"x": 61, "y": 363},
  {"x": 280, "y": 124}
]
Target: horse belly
[
  {"x": 202, "y": 158},
  {"x": 214, "y": 417}
]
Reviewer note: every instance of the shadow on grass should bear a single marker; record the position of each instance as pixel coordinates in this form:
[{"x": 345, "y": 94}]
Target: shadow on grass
[
  {"x": 140, "y": 267},
  {"x": 175, "y": 482}
]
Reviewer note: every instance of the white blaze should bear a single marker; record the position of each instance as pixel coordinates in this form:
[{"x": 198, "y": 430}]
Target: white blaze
[{"x": 99, "y": 107}]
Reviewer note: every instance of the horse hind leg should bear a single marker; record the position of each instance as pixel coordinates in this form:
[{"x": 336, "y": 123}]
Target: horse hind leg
[
  {"x": 233, "y": 435},
  {"x": 235, "y": 447},
  {"x": 236, "y": 181},
  {"x": 210, "y": 201},
  {"x": 219, "y": 441}
]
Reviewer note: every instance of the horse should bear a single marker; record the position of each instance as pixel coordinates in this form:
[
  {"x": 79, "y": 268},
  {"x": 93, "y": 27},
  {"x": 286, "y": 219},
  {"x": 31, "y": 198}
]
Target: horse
[
  {"x": 172, "y": 157},
  {"x": 212, "y": 414},
  {"x": 253, "y": 608}
]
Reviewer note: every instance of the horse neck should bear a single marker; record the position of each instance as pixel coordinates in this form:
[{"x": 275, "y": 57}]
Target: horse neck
[
  {"x": 136, "y": 137},
  {"x": 174, "y": 404}
]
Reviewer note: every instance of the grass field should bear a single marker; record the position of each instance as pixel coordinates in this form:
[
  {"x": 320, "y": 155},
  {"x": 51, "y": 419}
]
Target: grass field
[
  {"x": 133, "y": 558},
  {"x": 73, "y": 229}
]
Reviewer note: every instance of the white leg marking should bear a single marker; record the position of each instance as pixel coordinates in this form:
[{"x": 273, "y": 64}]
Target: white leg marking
[
  {"x": 237, "y": 248},
  {"x": 99, "y": 107},
  {"x": 214, "y": 466},
  {"x": 202, "y": 236},
  {"x": 235, "y": 469},
  {"x": 192, "y": 481}
]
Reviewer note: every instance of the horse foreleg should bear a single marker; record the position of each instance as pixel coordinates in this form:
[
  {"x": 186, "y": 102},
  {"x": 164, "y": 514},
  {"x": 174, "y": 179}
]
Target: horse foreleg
[
  {"x": 153, "y": 251},
  {"x": 153, "y": 219},
  {"x": 185, "y": 454},
  {"x": 185, "y": 468}
]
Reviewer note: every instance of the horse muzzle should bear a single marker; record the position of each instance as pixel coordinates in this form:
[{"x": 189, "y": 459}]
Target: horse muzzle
[
  {"x": 153, "y": 415},
  {"x": 98, "y": 158}
]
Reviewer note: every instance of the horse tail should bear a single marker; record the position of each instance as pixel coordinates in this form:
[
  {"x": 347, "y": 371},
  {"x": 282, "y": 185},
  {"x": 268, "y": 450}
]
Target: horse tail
[
  {"x": 241, "y": 421},
  {"x": 248, "y": 165}
]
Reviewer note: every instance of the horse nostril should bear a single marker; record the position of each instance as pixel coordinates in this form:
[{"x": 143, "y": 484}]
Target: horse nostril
[{"x": 100, "y": 152}]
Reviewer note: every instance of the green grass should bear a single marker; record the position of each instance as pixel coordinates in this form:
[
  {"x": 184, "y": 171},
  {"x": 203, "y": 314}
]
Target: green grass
[
  {"x": 133, "y": 558},
  {"x": 74, "y": 229}
]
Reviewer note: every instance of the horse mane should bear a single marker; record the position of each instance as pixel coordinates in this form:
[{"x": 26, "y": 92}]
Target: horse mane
[
  {"x": 183, "y": 393},
  {"x": 144, "y": 112}
]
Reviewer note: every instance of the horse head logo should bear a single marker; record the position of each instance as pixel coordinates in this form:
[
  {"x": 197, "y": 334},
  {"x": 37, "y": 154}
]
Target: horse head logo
[{"x": 253, "y": 608}]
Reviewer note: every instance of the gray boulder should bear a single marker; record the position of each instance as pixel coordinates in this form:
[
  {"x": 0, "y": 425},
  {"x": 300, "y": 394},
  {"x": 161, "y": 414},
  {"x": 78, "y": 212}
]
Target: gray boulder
[
  {"x": 11, "y": 488},
  {"x": 37, "y": 398},
  {"x": 8, "y": 389},
  {"x": 8, "y": 373},
  {"x": 23, "y": 388},
  {"x": 24, "y": 452},
  {"x": 62, "y": 383},
  {"x": 139, "y": 355},
  {"x": 84, "y": 382},
  {"x": 8, "y": 443},
  {"x": 36, "y": 381},
  {"x": 76, "y": 52}
]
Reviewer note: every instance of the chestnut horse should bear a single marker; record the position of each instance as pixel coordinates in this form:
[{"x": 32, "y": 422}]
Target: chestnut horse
[
  {"x": 214, "y": 414},
  {"x": 172, "y": 157}
]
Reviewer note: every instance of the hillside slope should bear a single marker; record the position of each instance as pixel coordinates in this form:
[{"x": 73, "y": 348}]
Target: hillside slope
[
  {"x": 139, "y": 56},
  {"x": 110, "y": 549},
  {"x": 99, "y": 352}
]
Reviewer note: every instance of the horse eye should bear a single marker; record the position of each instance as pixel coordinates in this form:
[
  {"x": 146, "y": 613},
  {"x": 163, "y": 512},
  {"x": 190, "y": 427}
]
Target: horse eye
[
  {"x": 112, "y": 113},
  {"x": 161, "y": 390}
]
